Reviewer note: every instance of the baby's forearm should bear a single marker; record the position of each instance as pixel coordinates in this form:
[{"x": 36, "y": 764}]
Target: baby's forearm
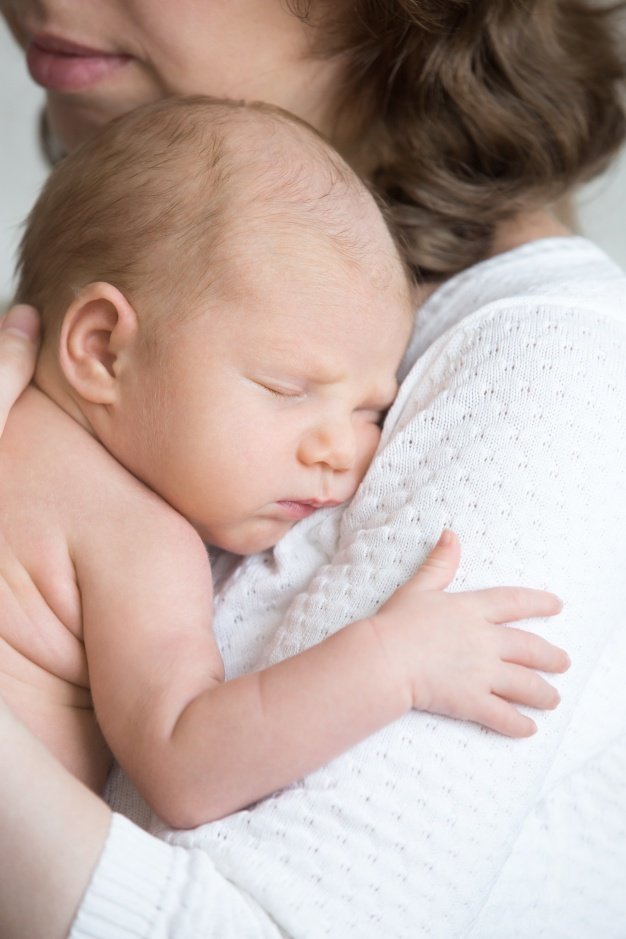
[
  {"x": 243, "y": 739},
  {"x": 199, "y": 748}
]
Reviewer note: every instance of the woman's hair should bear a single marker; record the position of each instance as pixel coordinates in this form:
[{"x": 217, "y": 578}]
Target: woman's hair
[
  {"x": 464, "y": 112},
  {"x": 461, "y": 113}
]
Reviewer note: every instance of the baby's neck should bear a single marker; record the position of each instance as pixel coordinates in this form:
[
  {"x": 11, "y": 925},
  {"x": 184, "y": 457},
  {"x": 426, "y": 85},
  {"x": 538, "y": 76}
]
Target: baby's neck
[{"x": 49, "y": 379}]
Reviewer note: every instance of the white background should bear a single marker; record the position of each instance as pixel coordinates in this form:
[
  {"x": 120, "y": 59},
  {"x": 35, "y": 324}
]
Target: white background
[{"x": 601, "y": 206}]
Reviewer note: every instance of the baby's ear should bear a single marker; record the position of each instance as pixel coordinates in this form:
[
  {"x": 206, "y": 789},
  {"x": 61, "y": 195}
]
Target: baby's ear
[{"x": 97, "y": 336}]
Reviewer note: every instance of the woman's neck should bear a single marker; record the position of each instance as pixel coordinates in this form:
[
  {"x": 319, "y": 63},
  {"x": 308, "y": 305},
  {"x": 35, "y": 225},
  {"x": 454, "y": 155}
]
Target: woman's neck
[
  {"x": 518, "y": 231},
  {"x": 528, "y": 226}
]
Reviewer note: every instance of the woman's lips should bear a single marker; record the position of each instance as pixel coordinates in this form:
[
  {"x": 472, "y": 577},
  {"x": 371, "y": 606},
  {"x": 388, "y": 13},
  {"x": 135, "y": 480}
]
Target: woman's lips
[{"x": 60, "y": 65}]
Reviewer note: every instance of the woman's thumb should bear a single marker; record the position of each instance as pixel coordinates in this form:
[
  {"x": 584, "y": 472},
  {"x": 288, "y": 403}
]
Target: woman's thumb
[{"x": 19, "y": 335}]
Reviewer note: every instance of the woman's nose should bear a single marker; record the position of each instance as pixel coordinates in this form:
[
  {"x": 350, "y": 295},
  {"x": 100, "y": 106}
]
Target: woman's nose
[{"x": 332, "y": 444}]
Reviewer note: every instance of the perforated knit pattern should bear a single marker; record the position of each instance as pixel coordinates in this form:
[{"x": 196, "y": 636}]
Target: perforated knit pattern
[{"x": 511, "y": 429}]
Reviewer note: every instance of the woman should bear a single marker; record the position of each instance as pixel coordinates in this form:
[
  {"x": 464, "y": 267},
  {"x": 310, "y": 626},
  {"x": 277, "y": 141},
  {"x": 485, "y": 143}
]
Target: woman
[{"x": 470, "y": 118}]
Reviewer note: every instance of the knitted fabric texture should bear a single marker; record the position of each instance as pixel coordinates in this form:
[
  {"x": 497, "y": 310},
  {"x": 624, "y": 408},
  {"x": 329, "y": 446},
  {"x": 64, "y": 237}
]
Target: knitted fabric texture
[{"x": 510, "y": 428}]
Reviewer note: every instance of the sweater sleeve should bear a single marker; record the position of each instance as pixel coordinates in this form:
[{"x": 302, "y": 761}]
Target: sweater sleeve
[
  {"x": 510, "y": 430},
  {"x": 146, "y": 889}
]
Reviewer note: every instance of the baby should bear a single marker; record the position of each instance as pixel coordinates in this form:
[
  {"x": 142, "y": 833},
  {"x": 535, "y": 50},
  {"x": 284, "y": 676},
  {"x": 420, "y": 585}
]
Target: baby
[{"x": 224, "y": 313}]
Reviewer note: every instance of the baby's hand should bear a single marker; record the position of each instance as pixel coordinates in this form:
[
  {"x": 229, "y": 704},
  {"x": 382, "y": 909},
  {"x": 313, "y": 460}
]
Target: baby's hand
[{"x": 454, "y": 656}]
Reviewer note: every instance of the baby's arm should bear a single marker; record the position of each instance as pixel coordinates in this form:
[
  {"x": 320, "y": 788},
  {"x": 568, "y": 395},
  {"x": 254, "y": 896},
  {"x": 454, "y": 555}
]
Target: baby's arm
[{"x": 199, "y": 748}]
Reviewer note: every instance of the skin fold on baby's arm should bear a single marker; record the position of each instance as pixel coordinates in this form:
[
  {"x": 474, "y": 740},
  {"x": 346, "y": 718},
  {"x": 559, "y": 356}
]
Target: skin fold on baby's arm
[{"x": 198, "y": 747}]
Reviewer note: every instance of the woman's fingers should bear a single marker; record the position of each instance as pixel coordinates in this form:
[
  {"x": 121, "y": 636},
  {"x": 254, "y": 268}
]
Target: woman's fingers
[
  {"x": 439, "y": 568},
  {"x": 19, "y": 341}
]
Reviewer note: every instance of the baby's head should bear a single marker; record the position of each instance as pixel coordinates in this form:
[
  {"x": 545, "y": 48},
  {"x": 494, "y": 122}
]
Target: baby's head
[{"x": 224, "y": 308}]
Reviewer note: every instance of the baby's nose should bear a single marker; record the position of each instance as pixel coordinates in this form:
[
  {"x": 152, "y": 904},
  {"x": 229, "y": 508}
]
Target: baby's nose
[{"x": 333, "y": 444}]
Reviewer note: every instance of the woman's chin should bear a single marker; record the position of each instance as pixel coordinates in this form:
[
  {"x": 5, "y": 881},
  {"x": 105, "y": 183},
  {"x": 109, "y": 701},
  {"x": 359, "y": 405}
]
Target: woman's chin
[
  {"x": 70, "y": 121},
  {"x": 74, "y": 117}
]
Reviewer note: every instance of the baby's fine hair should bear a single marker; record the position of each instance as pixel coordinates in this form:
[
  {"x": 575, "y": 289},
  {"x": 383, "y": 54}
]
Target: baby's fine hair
[{"x": 154, "y": 201}]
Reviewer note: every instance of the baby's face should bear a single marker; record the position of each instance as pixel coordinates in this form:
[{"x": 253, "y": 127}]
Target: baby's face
[{"x": 269, "y": 407}]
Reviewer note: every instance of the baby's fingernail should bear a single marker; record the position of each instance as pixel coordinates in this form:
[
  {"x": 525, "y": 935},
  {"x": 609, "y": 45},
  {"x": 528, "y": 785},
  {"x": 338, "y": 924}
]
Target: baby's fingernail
[
  {"x": 445, "y": 538},
  {"x": 24, "y": 320}
]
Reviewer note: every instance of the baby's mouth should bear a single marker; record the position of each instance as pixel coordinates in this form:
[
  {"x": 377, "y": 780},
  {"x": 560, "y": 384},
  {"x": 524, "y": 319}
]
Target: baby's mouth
[{"x": 303, "y": 508}]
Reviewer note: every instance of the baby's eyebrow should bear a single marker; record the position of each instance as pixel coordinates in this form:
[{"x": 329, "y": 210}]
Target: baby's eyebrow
[{"x": 379, "y": 397}]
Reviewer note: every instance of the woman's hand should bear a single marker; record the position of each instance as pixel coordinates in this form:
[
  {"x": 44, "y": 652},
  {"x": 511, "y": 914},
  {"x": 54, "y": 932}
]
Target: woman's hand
[
  {"x": 19, "y": 343},
  {"x": 455, "y": 657}
]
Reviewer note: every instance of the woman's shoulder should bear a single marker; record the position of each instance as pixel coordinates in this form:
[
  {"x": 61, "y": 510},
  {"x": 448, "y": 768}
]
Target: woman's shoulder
[
  {"x": 539, "y": 330},
  {"x": 568, "y": 282}
]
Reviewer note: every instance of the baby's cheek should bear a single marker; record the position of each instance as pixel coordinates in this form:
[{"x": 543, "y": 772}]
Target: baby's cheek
[{"x": 368, "y": 443}]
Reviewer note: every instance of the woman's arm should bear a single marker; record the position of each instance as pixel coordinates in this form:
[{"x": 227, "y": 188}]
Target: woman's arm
[
  {"x": 52, "y": 829},
  {"x": 19, "y": 339},
  {"x": 53, "y": 832}
]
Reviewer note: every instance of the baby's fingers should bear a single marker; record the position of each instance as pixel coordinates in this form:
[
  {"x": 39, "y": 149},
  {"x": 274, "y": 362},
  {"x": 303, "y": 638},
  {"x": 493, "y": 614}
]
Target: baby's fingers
[
  {"x": 506, "y": 604},
  {"x": 524, "y": 686},
  {"x": 504, "y": 718},
  {"x": 439, "y": 568},
  {"x": 533, "y": 651}
]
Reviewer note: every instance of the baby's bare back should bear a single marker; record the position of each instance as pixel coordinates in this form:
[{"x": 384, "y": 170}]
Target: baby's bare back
[{"x": 51, "y": 474}]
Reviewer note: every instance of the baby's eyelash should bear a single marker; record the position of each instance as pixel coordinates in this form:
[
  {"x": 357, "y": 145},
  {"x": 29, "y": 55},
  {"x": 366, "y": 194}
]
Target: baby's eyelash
[
  {"x": 376, "y": 415},
  {"x": 280, "y": 392}
]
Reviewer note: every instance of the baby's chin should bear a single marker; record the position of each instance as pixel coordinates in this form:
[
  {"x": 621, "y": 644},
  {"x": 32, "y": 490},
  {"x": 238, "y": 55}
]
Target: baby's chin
[{"x": 252, "y": 537}]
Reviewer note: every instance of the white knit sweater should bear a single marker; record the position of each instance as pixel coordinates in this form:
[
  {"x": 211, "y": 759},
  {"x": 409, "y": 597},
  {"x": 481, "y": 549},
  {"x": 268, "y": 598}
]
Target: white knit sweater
[{"x": 510, "y": 429}]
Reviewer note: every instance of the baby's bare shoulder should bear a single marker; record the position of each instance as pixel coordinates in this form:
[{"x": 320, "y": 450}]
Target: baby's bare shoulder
[
  {"x": 64, "y": 475},
  {"x": 62, "y": 493}
]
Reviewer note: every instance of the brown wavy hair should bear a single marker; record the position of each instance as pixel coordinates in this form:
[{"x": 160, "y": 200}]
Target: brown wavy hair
[{"x": 463, "y": 112}]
